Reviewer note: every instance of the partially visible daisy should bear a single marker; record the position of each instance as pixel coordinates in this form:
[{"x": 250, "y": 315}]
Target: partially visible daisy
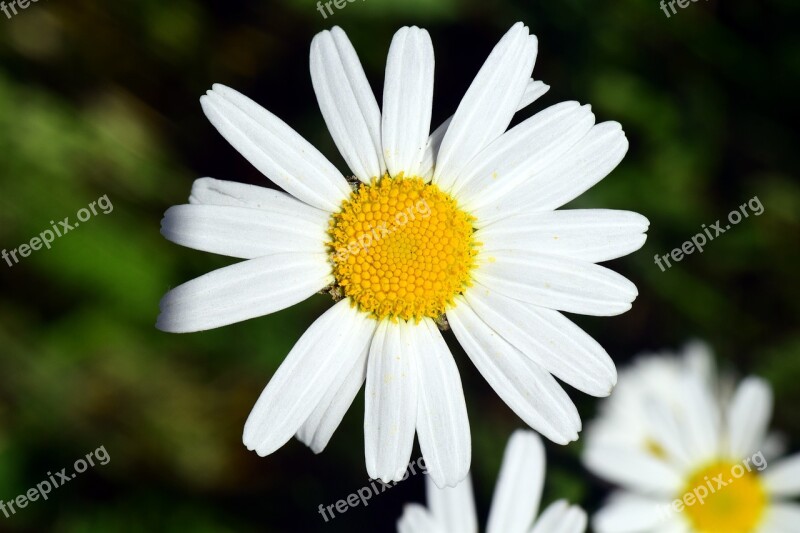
[
  {"x": 691, "y": 452},
  {"x": 458, "y": 226},
  {"x": 514, "y": 506}
]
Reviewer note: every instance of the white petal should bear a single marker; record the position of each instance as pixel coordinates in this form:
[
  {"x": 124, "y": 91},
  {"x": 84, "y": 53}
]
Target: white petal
[
  {"x": 391, "y": 401},
  {"x": 775, "y": 445},
  {"x": 551, "y": 518},
  {"x": 783, "y": 477},
  {"x": 521, "y": 153},
  {"x": 488, "y": 105},
  {"x": 633, "y": 469},
  {"x": 442, "y": 423},
  {"x": 549, "y": 339},
  {"x": 674, "y": 524},
  {"x": 428, "y": 163},
  {"x": 243, "y": 291},
  {"x": 560, "y": 517},
  {"x": 782, "y": 518},
  {"x": 664, "y": 429},
  {"x": 209, "y": 191},
  {"x": 246, "y": 233},
  {"x": 556, "y": 282},
  {"x": 275, "y": 149},
  {"x": 519, "y": 486},
  {"x": 529, "y": 390},
  {"x": 334, "y": 340},
  {"x": 417, "y": 519},
  {"x": 632, "y": 513},
  {"x": 592, "y": 235},
  {"x": 453, "y": 507},
  {"x": 748, "y": 416},
  {"x": 585, "y": 164},
  {"x": 698, "y": 359},
  {"x": 533, "y": 91},
  {"x": 317, "y": 431},
  {"x": 575, "y": 521},
  {"x": 407, "y": 101},
  {"x": 347, "y": 103},
  {"x": 702, "y": 419}
]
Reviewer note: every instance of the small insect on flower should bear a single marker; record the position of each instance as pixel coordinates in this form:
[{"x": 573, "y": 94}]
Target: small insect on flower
[
  {"x": 456, "y": 228},
  {"x": 691, "y": 453},
  {"x": 514, "y": 506}
]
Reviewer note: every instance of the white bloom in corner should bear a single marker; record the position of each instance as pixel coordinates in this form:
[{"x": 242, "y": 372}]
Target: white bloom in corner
[
  {"x": 691, "y": 452},
  {"x": 460, "y": 225},
  {"x": 514, "y": 506}
]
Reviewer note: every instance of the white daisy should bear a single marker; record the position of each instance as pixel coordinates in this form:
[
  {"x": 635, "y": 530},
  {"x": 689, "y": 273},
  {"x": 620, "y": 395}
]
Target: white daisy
[
  {"x": 514, "y": 505},
  {"x": 459, "y": 224},
  {"x": 690, "y": 452}
]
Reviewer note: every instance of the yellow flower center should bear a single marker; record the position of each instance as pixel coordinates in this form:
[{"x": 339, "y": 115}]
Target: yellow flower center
[
  {"x": 401, "y": 248},
  {"x": 735, "y": 500}
]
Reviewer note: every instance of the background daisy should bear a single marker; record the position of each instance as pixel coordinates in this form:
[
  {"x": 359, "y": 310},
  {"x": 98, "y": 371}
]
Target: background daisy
[
  {"x": 690, "y": 452},
  {"x": 515, "y": 504}
]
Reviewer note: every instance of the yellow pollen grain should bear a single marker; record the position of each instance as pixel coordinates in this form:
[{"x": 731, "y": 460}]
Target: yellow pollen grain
[
  {"x": 736, "y": 507},
  {"x": 402, "y": 248},
  {"x": 655, "y": 449}
]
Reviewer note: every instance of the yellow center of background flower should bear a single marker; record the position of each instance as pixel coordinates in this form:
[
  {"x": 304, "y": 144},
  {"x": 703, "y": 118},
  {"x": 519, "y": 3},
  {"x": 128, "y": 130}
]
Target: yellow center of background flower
[
  {"x": 402, "y": 248},
  {"x": 736, "y": 507}
]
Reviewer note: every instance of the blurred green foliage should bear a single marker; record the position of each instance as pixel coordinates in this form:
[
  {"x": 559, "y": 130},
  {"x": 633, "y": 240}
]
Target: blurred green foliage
[{"x": 101, "y": 98}]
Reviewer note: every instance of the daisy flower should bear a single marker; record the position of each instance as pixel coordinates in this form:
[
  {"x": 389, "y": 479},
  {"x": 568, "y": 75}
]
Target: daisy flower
[
  {"x": 691, "y": 452},
  {"x": 514, "y": 505},
  {"x": 457, "y": 226}
]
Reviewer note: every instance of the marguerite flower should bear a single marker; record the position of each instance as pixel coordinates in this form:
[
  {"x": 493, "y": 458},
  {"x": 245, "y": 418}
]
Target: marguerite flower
[
  {"x": 458, "y": 226},
  {"x": 514, "y": 505},
  {"x": 690, "y": 453}
]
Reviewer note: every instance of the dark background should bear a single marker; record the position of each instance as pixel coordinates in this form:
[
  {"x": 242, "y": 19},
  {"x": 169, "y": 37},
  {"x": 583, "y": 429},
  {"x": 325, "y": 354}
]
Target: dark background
[{"x": 102, "y": 98}]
